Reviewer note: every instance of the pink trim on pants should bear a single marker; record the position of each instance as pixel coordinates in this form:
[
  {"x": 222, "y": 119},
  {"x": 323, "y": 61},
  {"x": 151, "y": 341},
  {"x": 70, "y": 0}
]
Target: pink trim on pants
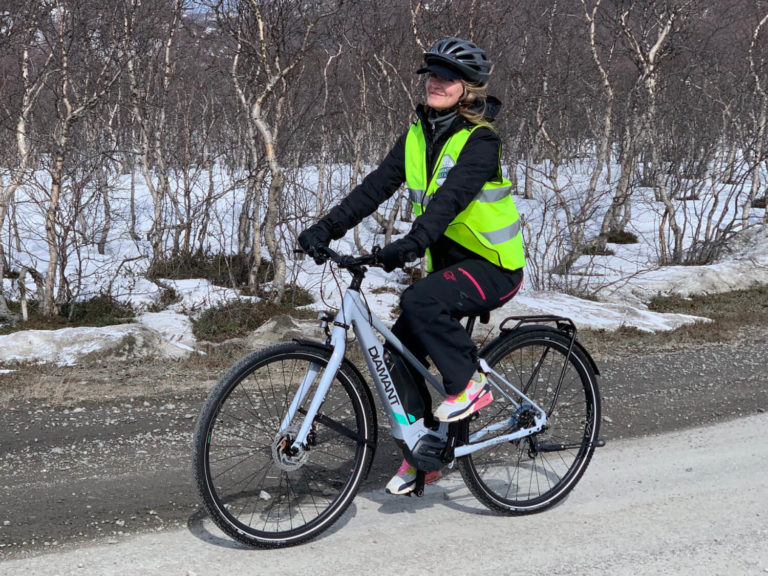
[
  {"x": 511, "y": 293},
  {"x": 468, "y": 275}
]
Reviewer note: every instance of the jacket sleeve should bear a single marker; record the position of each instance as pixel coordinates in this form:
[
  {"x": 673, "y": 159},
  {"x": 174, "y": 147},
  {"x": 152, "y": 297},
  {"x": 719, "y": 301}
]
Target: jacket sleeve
[
  {"x": 477, "y": 164},
  {"x": 365, "y": 198}
]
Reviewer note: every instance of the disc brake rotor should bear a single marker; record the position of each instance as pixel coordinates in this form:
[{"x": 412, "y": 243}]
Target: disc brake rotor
[{"x": 283, "y": 453}]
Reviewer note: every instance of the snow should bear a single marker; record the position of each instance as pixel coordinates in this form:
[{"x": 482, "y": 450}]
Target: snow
[
  {"x": 745, "y": 265},
  {"x": 596, "y": 315},
  {"x": 626, "y": 309},
  {"x": 67, "y": 345},
  {"x": 174, "y": 328},
  {"x": 627, "y": 281},
  {"x": 197, "y": 295}
]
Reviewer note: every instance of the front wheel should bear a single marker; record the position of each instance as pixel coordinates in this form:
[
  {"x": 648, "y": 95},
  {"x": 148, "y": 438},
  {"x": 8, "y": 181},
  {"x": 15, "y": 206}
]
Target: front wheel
[
  {"x": 254, "y": 486},
  {"x": 534, "y": 473}
]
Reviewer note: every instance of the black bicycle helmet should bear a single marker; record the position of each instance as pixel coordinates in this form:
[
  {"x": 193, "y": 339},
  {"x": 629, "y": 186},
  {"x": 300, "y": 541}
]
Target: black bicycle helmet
[{"x": 457, "y": 58}]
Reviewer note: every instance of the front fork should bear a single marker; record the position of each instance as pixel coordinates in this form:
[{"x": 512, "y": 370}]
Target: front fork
[{"x": 339, "y": 343}]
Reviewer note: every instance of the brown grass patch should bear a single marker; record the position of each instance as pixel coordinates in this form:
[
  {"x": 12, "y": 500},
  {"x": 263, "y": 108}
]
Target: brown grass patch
[
  {"x": 100, "y": 310},
  {"x": 731, "y": 313}
]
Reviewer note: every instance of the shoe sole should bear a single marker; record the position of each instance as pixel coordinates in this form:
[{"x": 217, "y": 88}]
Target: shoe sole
[
  {"x": 408, "y": 488},
  {"x": 479, "y": 403},
  {"x": 402, "y": 491}
]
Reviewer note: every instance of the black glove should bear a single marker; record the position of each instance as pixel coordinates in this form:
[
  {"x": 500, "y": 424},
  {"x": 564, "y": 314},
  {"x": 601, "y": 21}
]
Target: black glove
[
  {"x": 313, "y": 238},
  {"x": 397, "y": 253}
]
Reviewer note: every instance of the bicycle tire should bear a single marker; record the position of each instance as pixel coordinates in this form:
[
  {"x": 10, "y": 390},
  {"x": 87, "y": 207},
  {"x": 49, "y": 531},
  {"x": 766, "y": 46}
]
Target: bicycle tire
[
  {"x": 255, "y": 491},
  {"x": 536, "y": 472}
]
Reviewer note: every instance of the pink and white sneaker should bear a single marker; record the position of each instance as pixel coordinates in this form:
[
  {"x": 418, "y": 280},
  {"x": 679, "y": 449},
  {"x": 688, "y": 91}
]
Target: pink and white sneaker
[
  {"x": 404, "y": 481},
  {"x": 476, "y": 395}
]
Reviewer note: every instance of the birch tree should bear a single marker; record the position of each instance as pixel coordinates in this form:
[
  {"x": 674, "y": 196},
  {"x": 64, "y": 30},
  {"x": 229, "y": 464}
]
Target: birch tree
[
  {"x": 82, "y": 29},
  {"x": 756, "y": 154},
  {"x": 270, "y": 42},
  {"x": 577, "y": 209},
  {"x": 22, "y": 30},
  {"x": 150, "y": 83},
  {"x": 648, "y": 47},
  {"x": 612, "y": 223}
]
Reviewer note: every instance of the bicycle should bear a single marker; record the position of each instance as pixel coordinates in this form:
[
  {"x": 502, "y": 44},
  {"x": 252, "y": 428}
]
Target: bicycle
[{"x": 289, "y": 432}]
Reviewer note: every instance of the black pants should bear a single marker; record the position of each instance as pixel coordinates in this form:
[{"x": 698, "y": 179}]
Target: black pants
[{"x": 429, "y": 323}]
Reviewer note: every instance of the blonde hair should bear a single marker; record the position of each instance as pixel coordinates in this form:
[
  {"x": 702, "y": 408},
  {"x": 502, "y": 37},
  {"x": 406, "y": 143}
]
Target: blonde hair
[{"x": 468, "y": 104}]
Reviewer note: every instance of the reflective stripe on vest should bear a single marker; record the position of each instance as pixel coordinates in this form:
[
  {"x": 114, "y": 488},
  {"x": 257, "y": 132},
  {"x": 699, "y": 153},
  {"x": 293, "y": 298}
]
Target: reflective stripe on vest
[
  {"x": 490, "y": 226},
  {"x": 491, "y": 195},
  {"x": 502, "y": 234},
  {"x": 416, "y": 196}
]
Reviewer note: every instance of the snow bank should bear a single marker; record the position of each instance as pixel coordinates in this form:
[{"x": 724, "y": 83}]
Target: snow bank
[
  {"x": 169, "y": 333},
  {"x": 66, "y": 346}
]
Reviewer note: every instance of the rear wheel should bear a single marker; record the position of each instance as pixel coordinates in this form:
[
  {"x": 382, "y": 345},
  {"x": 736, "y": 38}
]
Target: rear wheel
[
  {"x": 534, "y": 473},
  {"x": 254, "y": 486}
]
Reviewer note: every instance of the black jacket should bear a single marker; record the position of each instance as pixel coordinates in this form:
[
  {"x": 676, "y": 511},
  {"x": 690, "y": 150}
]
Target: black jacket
[{"x": 477, "y": 163}]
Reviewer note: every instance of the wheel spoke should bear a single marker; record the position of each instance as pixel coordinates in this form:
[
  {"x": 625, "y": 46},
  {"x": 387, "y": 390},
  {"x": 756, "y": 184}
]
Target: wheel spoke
[
  {"x": 256, "y": 489},
  {"x": 516, "y": 477}
]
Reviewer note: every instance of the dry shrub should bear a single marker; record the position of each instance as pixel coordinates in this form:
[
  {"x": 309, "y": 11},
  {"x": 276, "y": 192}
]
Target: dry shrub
[
  {"x": 100, "y": 310},
  {"x": 238, "y": 318},
  {"x": 621, "y": 237},
  {"x": 229, "y": 270}
]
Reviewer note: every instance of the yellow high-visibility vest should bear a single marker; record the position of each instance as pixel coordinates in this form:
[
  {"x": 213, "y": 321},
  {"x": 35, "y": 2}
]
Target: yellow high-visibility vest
[{"x": 490, "y": 225}]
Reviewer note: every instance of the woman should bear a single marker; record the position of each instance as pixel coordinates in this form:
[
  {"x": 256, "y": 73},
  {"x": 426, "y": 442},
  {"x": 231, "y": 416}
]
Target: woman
[{"x": 466, "y": 224}]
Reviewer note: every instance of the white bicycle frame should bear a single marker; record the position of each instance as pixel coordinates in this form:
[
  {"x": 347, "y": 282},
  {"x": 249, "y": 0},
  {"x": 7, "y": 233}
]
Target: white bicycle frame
[{"x": 356, "y": 314}]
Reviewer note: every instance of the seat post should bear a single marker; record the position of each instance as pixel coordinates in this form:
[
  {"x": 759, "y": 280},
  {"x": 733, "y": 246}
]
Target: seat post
[{"x": 470, "y": 324}]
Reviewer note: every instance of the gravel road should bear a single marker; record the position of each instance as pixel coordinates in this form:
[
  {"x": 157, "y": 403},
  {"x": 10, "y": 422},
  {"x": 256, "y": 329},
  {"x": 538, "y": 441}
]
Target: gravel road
[
  {"x": 105, "y": 472},
  {"x": 687, "y": 502}
]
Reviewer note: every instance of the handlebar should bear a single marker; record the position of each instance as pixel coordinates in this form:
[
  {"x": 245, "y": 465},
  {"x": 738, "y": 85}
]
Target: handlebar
[
  {"x": 349, "y": 262},
  {"x": 352, "y": 263}
]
